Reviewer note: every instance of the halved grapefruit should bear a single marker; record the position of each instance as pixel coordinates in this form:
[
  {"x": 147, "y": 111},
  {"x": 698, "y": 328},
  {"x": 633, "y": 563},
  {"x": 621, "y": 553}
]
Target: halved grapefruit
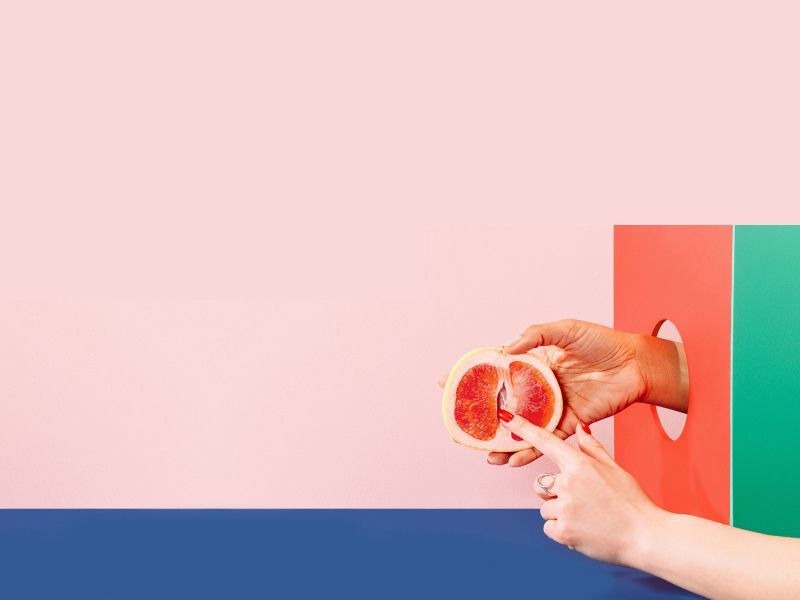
[{"x": 487, "y": 379}]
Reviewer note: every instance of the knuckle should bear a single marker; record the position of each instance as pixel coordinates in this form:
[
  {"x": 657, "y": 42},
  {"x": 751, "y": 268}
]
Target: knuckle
[
  {"x": 572, "y": 328},
  {"x": 519, "y": 460},
  {"x": 568, "y": 326},
  {"x": 551, "y": 530},
  {"x": 534, "y": 335},
  {"x": 630, "y": 479},
  {"x": 582, "y": 464},
  {"x": 567, "y": 536}
]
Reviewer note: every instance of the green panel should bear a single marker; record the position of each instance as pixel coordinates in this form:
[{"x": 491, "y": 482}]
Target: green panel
[{"x": 765, "y": 379}]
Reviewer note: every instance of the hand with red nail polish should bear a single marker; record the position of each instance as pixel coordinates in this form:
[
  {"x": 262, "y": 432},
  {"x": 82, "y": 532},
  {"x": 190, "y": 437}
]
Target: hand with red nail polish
[
  {"x": 597, "y": 508},
  {"x": 594, "y": 506}
]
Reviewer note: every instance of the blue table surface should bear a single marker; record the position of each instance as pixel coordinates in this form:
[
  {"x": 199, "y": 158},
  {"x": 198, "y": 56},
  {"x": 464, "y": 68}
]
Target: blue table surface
[{"x": 300, "y": 554}]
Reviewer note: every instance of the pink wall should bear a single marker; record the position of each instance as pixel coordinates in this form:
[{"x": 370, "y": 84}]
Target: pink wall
[
  {"x": 239, "y": 241},
  {"x": 281, "y": 394}
]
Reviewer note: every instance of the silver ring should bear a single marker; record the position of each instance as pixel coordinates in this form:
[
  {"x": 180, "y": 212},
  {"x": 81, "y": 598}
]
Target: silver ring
[{"x": 546, "y": 485}]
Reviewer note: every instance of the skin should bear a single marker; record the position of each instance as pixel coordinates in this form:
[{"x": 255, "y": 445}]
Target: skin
[
  {"x": 601, "y": 371},
  {"x": 600, "y": 510}
]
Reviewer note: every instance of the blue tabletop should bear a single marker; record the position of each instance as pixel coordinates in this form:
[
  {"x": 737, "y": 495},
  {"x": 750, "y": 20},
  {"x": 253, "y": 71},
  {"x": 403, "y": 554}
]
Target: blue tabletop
[{"x": 300, "y": 554}]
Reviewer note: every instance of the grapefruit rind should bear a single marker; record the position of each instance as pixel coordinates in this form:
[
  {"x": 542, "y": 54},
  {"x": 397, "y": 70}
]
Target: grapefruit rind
[{"x": 497, "y": 357}]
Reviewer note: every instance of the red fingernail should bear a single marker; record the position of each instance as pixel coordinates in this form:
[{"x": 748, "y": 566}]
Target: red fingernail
[
  {"x": 505, "y": 415},
  {"x": 515, "y": 437},
  {"x": 585, "y": 427}
]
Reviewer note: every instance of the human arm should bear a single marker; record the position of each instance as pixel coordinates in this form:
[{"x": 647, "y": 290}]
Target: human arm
[
  {"x": 720, "y": 561},
  {"x": 601, "y": 511},
  {"x": 664, "y": 372}
]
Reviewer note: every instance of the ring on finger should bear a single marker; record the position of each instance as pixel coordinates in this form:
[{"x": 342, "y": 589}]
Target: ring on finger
[{"x": 545, "y": 482}]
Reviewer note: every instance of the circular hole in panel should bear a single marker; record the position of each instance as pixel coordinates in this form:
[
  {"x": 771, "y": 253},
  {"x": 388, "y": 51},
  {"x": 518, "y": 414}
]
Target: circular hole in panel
[{"x": 672, "y": 421}]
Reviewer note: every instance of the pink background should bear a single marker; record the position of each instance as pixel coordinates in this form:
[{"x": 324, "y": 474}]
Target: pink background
[{"x": 240, "y": 241}]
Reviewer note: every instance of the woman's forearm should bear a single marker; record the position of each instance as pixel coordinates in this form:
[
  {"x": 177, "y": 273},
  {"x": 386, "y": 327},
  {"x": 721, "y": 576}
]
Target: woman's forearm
[
  {"x": 666, "y": 376},
  {"x": 719, "y": 561}
]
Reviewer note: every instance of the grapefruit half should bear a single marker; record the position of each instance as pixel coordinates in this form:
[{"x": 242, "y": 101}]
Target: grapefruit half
[{"x": 487, "y": 379}]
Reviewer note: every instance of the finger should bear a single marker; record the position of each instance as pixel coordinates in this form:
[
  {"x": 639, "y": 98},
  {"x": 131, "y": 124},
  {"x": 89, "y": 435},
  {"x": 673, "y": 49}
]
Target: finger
[
  {"x": 550, "y": 509},
  {"x": 550, "y": 480},
  {"x": 544, "y": 495},
  {"x": 545, "y": 442},
  {"x": 558, "y": 333},
  {"x": 546, "y": 354},
  {"x": 553, "y": 493},
  {"x": 552, "y": 529},
  {"x": 443, "y": 380},
  {"x": 526, "y": 457},
  {"x": 498, "y": 458},
  {"x": 523, "y": 457},
  {"x": 589, "y": 445},
  {"x": 540, "y": 353}
]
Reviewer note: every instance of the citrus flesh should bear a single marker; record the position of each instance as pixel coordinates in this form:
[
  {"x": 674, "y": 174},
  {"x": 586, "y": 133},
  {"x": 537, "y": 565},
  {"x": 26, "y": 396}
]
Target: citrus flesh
[{"x": 487, "y": 379}]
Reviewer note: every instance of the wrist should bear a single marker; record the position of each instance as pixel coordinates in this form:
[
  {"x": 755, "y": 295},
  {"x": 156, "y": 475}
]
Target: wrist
[
  {"x": 643, "y": 351},
  {"x": 663, "y": 372},
  {"x": 649, "y": 535}
]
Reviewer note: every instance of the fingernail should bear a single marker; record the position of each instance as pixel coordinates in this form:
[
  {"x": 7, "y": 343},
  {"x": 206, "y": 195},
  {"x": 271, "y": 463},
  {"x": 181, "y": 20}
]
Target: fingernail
[
  {"x": 505, "y": 415},
  {"x": 511, "y": 342},
  {"x": 585, "y": 427},
  {"x": 515, "y": 437}
]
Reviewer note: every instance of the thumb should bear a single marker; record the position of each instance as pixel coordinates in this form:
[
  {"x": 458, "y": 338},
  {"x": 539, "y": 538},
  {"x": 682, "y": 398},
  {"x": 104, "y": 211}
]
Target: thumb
[
  {"x": 589, "y": 445},
  {"x": 558, "y": 333}
]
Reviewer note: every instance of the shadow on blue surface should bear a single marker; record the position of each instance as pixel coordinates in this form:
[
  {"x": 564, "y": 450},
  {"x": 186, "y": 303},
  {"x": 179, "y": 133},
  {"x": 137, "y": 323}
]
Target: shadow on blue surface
[{"x": 300, "y": 554}]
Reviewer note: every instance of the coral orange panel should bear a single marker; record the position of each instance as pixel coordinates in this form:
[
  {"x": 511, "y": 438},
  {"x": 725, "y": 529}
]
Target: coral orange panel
[{"x": 680, "y": 273}]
